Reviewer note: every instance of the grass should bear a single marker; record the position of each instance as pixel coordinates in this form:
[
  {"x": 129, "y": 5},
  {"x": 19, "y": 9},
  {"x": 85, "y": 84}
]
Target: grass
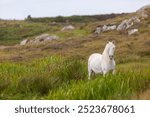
[
  {"x": 56, "y": 77},
  {"x": 12, "y": 32},
  {"x": 121, "y": 86}
]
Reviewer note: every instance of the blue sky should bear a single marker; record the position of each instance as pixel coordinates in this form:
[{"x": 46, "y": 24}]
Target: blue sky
[{"x": 19, "y": 9}]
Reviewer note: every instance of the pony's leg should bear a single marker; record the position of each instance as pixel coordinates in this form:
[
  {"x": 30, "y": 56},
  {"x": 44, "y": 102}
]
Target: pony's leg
[
  {"x": 93, "y": 74},
  {"x": 104, "y": 73},
  {"x": 90, "y": 71},
  {"x": 114, "y": 71}
]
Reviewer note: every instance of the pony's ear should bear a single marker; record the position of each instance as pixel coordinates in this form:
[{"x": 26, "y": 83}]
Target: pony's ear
[{"x": 113, "y": 42}]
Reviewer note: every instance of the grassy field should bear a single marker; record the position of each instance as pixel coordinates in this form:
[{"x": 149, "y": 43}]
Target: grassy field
[{"x": 58, "y": 69}]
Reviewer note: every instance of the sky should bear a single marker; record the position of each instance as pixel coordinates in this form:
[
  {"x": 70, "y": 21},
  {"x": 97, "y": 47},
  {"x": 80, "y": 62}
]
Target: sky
[{"x": 20, "y": 9}]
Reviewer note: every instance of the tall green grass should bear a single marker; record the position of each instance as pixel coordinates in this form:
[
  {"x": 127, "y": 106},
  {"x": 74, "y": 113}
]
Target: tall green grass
[
  {"x": 123, "y": 85},
  {"x": 56, "y": 77},
  {"x": 39, "y": 76}
]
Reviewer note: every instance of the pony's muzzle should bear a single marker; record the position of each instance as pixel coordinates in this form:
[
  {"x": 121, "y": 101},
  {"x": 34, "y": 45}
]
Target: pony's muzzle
[{"x": 111, "y": 57}]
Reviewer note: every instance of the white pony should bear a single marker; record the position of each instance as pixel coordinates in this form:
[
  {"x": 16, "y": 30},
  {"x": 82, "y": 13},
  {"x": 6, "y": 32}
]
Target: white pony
[{"x": 102, "y": 63}]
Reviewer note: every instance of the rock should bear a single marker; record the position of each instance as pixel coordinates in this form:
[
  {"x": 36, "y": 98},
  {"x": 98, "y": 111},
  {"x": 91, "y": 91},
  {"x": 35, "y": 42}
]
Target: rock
[
  {"x": 39, "y": 39},
  {"x": 69, "y": 27},
  {"x": 98, "y": 30},
  {"x": 104, "y": 28},
  {"x": 124, "y": 25},
  {"x": 24, "y": 42},
  {"x": 143, "y": 13},
  {"x": 135, "y": 20},
  {"x": 128, "y": 23},
  {"x": 108, "y": 27},
  {"x": 143, "y": 8},
  {"x": 50, "y": 38},
  {"x": 44, "y": 38},
  {"x": 53, "y": 24},
  {"x": 133, "y": 31},
  {"x": 113, "y": 27}
]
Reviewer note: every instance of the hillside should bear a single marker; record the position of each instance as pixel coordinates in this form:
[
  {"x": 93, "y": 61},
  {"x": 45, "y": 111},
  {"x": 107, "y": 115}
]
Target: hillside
[{"x": 57, "y": 68}]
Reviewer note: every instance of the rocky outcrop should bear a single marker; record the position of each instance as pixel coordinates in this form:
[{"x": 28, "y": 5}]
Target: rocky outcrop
[
  {"x": 67, "y": 28},
  {"x": 108, "y": 27},
  {"x": 132, "y": 31},
  {"x": 39, "y": 39},
  {"x": 98, "y": 30},
  {"x": 104, "y": 28},
  {"x": 144, "y": 12},
  {"x": 46, "y": 37},
  {"x": 128, "y": 23},
  {"x": 143, "y": 8},
  {"x": 124, "y": 25},
  {"x": 24, "y": 42}
]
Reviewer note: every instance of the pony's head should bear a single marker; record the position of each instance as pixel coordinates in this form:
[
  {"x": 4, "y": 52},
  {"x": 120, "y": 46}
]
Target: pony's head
[{"x": 111, "y": 49}]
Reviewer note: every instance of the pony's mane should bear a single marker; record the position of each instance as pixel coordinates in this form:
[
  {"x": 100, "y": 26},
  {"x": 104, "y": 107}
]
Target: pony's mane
[{"x": 107, "y": 46}]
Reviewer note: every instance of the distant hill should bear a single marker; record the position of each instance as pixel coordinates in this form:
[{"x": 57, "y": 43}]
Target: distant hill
[{"x": 75, "y": 18}]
